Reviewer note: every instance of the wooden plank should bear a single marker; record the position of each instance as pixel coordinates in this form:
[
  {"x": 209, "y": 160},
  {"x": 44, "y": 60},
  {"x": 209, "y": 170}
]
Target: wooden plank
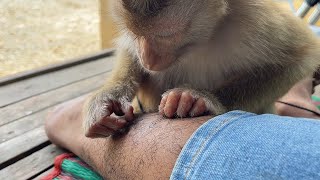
[
  {"x": 47, "y": 172},
  {"x": 15, "y": 92},
  {"x": 55, "y": 67},
  {"x": 23, "y": 125},
  {"x": 31, "y": 165},
  {"x": 37, "y": 103},
  {"x": 21, "y": 144}
]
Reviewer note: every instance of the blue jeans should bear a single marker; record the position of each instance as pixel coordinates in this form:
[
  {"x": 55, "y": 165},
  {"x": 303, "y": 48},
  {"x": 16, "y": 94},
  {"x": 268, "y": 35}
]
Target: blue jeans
[{"x": 241, "y": 145}]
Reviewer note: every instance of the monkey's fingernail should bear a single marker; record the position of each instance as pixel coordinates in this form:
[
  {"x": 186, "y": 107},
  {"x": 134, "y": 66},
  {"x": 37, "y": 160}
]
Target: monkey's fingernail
[
  {"x": 164, "y": 95},
  {"x": 194, "y": 112},
  {"x": 191, "y": 114}
]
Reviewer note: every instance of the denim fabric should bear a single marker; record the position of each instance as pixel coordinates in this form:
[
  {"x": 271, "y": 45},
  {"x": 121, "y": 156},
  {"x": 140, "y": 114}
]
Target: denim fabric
[{"x": 241, "y": 145}]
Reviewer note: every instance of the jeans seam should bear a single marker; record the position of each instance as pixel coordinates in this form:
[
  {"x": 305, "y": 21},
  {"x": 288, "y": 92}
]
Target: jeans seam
[{"x": 204, "y": 142}]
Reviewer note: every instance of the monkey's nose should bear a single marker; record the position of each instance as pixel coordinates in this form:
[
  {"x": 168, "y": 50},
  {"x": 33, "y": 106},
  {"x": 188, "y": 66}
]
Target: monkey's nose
[{"x": 153, "y": 59}]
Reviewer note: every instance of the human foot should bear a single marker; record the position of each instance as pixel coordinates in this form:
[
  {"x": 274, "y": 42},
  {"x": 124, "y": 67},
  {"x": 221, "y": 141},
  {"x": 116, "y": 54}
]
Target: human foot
[{"x": 297, "y": 102}]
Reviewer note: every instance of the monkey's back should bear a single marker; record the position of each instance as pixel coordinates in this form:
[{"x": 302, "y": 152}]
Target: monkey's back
[{"x": 263, "y": 41}]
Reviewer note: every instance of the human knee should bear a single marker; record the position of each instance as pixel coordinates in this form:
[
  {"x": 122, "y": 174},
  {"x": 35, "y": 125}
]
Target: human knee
[
  {"x": 150, "y": 148},
  {"x": 60, "y": 119}
]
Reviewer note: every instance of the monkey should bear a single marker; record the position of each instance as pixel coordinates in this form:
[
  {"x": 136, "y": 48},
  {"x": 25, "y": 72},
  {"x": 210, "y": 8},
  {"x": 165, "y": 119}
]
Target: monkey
[{"x": 188, "y": 58}]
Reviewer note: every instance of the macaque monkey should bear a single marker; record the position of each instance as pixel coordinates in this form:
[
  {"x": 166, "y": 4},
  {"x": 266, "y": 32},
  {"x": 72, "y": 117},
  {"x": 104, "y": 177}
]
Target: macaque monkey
[{"x": 187, "y": 58}]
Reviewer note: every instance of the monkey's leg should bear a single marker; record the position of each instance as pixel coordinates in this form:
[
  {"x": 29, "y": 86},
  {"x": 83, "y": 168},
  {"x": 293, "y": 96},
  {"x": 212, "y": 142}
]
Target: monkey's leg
[
  {"x": 257, "y": 90},
  {"x": 186, "y": 102},
  {"x": 148, "y": 97},
  {"x": 114, "y": 97}
]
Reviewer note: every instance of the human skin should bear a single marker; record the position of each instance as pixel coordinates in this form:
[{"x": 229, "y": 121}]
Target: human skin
[
  {"x": 299, "y": 95},
  {"x": 148, "y": 150},
  {"x": 152, "y": 144}
]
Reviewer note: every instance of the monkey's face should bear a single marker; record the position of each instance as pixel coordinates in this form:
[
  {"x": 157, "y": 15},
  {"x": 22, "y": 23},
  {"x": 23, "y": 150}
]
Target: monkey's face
[{"x": 162, "y": 30}]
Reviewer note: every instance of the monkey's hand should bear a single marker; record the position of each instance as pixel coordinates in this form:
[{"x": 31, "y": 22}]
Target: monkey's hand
[
  {"x": 98, "y": 121},
  {"x": 183, "y": 102}
]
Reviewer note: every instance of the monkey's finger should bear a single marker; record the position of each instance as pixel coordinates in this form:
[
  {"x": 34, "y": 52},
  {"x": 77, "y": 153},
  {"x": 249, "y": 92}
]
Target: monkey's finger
[
  {"x": 97, "y": 130},
  {"x": 108, "y": 111},
  {"x": 162, "y": 104},
  {"x": 172, "y": 104},
  {"x": 199, "y": 108},
  {"x": 117, "y": 108},
  {"x": 98, "y": 136},
  {"x": 113, "y": 123},
  {"x": 185, "y": 104},
  {"x": 128, "y": 113}
]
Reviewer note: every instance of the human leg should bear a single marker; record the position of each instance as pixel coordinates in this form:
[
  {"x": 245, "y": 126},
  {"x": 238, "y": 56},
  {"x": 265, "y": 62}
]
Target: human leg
[
  {"x": 149, "y": 150},
  {"x": 233, "y": 145},
  {"x": 242, "y": 145}
]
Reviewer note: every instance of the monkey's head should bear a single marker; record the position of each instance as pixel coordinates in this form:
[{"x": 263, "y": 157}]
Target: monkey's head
[{"x": 161, "y": 30}]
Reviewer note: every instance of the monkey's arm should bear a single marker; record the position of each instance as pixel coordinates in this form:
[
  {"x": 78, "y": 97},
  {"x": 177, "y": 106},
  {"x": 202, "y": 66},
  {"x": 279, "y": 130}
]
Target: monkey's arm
[
  {"x": 114, "y": 97},
  {"x": 256, "y": 91},
  {"x": 125, "y": 77}
]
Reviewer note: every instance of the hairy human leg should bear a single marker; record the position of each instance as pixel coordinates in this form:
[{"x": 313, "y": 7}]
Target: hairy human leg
[{"x": 148, "y": 151}]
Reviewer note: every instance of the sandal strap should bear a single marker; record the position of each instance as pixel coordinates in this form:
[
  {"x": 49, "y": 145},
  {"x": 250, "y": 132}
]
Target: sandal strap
[{"x": 299, "y": 107}]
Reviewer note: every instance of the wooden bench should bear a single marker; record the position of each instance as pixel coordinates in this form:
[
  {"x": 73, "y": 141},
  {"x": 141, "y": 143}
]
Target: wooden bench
[{"x": 25, "y": 99}]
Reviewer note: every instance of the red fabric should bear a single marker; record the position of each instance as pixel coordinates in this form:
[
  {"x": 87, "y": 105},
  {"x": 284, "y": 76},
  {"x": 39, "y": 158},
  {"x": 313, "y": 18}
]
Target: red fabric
[{"x": 57, "y": 166}]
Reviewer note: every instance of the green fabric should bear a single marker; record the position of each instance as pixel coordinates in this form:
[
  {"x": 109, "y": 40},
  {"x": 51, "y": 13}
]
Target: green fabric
[
  {"x": 316, "y": 98},
  {"x": 79, "y": 171}
]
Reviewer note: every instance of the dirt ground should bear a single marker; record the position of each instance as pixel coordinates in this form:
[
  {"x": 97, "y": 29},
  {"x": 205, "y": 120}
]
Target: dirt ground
[{"x": 40, "y": 32}]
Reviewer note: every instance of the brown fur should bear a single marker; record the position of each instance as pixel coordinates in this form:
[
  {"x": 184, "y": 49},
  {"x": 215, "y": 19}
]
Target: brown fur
[{"x": 237, "y": 54}]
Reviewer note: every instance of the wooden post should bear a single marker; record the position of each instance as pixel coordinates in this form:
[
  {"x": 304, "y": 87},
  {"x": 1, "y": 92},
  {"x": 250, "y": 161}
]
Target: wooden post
[{"x": 107, "y": 28}]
